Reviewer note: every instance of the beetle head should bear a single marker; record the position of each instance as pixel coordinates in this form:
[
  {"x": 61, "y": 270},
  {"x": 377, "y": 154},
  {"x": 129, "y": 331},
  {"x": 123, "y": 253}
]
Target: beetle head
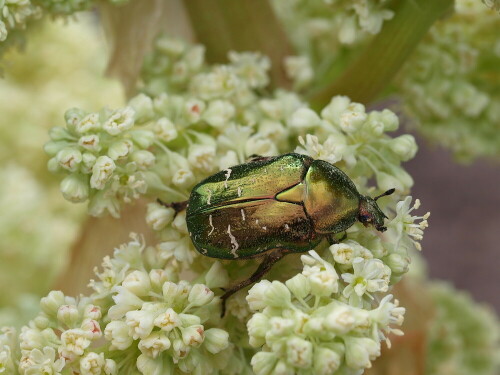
[{"x": 370, "y": 213}]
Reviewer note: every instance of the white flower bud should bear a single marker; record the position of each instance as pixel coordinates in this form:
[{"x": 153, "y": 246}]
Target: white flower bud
[
  {"x": 183, "y": 178},
  {"x": 263, "y": 363},
  {"x": 88, "y": 161},
  {"x": 110, "y": 367},
  {"x": 117, "y": 333},
  {"x": 299, "y": 352},
  {"x": 332, "y": 111},
  {"x": 353, "y": 117},
  {"x": 144, "y": 159},
  {"x": 53, "y": 165},
  {"x": 304, "y": 118},
  {"x": 200, "y": 295},
  {"x": 326, "y": 361},
  {"x": 299, "y": 69},
  {"x": 50, "y": 304},
  {"x": 140, "y": 323},
  {"x": 143, "y": 107},
  {"x": 360, "y": 351},
  {"x": 92, "y": 327},
  {"x": 158, "y": 216},
  {"x": 89, "y": 142},
  {"x": 202, "y": 157},
  {"x": 341, "y": 320},
  {"x": 120, "y": 150},
  {"x": 216, "y": 340},
  {"x": 138, "y": 283},
  {"x": 260, "y": 146},
  {"x": 299, "y": 285},
  {"x": 397, "y": 263},
  {"x": 258, "y": 326},
  {"x": 389, "y": 119},
  {"x": 255, "y": 297},
  {"x": 168, "y": 320},
  {"x": 73, "y": 116},
  {"x": 219, "y": 113},
  {"x": 58, "y": 133},
  {"x": 120, "y": 121},
  {"x": 179, "y": 222},
  {"x": 68, "y": 315},
  {"x": 404, "y": 146},
  {"x": 230, "y": 159},
  {"x": 143, "y": 138},
  {"x": 277, "y": 295},
  {"x": 92, "y": 312},
  {"x": 280, "y": 327},
  {"x": 217, "y": 276},
  {"x": 69, "y": 158},
  {"x": 154, "y": 344},
  {"x": 193, "y": 335},
  {"x": 386, "y": 181},
  {"x": 92, "y": 363},
  {"x": 189, "y": 320},
  {"x": 348, "y": 31},
  {"x": 194, "y": 109},
  {"x": 101, "y": 172},
  {"x": 324, "y": 283},
  {"x": 165, "y": 130},
  {"x": 75, "y": 188},
  {"x": 88, "y": 123}
]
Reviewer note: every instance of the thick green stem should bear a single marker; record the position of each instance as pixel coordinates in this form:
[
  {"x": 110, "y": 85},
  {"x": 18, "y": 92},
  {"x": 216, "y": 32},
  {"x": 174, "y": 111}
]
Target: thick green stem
[
  {"x": 371, "y": 72},
  {"x": 240, "y": 25}
]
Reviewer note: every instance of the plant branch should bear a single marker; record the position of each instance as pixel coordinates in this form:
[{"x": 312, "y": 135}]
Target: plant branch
[{"x": 371, "y": 72}]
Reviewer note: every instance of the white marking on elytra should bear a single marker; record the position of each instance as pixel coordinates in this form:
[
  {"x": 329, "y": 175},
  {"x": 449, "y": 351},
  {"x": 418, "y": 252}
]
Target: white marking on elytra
[
  {"x": 209, "y": 196},
  {"x": 257, "y": 221},
  {"x": 211, "y": 224},
  {"x": 265, "y": 228},
  {"x": 243, "y": 214},
  {"x": 239, "y": 191},
  {"x": 287, "y": 228},
  {"x": 204, "y": 251},
  {"x": 234, "y": 244},
  {"x": 228, "y": 174}
]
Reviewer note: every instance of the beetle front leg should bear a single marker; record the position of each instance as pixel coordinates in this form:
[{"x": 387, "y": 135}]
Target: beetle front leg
[
  {"x": 177, "y": 206},
  {"x": 333, "y": 241},
  {"x": 263, "y": 268}
]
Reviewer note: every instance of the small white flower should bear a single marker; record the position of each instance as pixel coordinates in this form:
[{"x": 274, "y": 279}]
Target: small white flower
[
  {"x": 165, "y": 130},
  {"x": 138, "y": 283},
  {"x": 219, "y": 113},
  {"x": 92, "y": 364},
  {"x": 304, "y": 118},
  {"x": 73, "y": 343},
  {"x": 193, "y": 335},
  {"x": 120, "y": 121},
  {"x": 117, "y": 333},
  {"x": 299, "y": 352},
  {"x": 167, "y": 320},
  {"x": 90, "y": 142},
  {"x": 154, "y": 344},
  {"x": 120, "y": 149},
  {"x": 140, "y": 323},
  {"x": 360, "y": 351},
  {"x": 68, "y": 314},
  {"x": 75, "y": 188},
  {"x": 368, "y": 276},
  {"x": 158, "y": 216},
  {"x": 216, "y": 340},
  {"x": 200, "y": 295},
  {"x": 69, "y": 158},
  {"x": 88, "y": 123},
  {"x": 331, "y": 150},
  {"x": 101, "y": 172},
  {"x": 202, "y": 157}
]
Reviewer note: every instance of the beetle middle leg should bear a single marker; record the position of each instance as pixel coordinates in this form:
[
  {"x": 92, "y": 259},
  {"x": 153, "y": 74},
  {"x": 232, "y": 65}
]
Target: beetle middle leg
[
  {"x": 177, "y": 206},
  {"x": 267, "y": 263}
]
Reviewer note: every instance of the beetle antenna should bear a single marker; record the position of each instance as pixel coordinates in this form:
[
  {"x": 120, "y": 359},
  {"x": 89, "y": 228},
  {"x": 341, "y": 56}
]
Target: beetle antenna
[{"x": 388, "y": 192}]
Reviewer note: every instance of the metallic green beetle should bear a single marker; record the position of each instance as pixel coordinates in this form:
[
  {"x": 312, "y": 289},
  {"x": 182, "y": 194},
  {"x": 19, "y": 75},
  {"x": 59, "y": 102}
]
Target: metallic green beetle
[{"x": 272, "y": 206}]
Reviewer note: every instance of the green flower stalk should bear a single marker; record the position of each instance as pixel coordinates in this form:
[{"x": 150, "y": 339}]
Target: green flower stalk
[{"x": 449, "y": 86}]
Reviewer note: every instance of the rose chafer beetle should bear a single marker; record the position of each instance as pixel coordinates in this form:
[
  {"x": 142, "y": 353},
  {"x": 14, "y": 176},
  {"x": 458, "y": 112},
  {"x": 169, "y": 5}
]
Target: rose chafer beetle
[{"x": 273, "y": 206}]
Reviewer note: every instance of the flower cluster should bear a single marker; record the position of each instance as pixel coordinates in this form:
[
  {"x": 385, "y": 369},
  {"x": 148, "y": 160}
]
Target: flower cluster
[
  {"x": 357, "y": 142},
  {"x": 139, "y": 318},
  {"x": 326, "y": 23},
  {"x": 191, "y": 120},
  {"x": 305, "y": 327},
  {"x": 448, "y": 86},
  {"x": 464, "y": 337},
  {"x": 16, "y": 15}
]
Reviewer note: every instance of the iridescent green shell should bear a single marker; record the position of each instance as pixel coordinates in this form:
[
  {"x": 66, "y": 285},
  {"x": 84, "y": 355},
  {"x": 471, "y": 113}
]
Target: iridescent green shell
[{"x": 289, "y": 202}]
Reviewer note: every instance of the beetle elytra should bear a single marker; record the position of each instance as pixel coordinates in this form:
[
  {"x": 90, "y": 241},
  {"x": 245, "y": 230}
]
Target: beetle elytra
[{"x": 273, "y": 206}]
